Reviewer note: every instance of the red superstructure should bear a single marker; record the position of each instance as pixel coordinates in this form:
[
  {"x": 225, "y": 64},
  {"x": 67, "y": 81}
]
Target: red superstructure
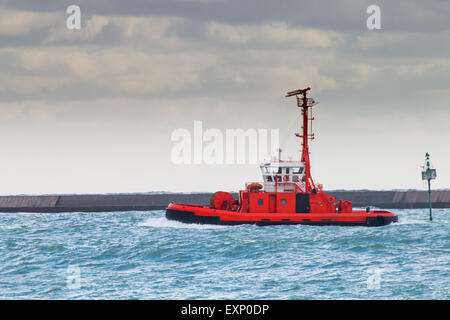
[{"x": 288, "y": 196}]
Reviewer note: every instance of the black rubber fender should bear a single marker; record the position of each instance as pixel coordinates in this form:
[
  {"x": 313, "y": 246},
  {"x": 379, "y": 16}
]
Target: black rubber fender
[{"x": 376, "y": 221}]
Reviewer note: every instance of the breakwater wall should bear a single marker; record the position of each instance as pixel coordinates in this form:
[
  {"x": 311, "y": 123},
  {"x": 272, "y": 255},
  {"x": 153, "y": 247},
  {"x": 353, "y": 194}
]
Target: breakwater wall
[{"x": 142, "y": 202}]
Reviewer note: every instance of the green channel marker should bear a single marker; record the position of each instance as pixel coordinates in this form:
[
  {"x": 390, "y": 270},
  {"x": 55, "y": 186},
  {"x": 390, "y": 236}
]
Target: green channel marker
[{"x": 428, "y": 173}]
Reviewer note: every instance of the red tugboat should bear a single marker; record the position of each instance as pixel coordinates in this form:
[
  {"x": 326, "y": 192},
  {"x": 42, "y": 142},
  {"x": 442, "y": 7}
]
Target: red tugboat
[{"x": 289, "y": 195}]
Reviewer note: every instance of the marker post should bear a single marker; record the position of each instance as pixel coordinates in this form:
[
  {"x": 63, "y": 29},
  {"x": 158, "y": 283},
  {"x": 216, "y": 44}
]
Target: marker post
[{"x": 428, "y": 174}]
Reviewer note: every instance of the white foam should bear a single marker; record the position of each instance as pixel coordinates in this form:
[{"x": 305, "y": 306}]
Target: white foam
[
  {"x": 404, "y": 220},
  {"x": 163, "y": 222}
]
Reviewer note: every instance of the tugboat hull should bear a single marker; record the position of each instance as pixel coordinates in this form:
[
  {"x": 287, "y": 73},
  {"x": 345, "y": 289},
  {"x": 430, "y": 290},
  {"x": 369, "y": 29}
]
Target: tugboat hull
[{"x": 206, "y": 215}]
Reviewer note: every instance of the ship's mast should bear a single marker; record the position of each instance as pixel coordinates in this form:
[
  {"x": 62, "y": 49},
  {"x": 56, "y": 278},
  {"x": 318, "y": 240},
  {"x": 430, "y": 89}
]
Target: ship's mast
[{"x": 305, "y": 104}]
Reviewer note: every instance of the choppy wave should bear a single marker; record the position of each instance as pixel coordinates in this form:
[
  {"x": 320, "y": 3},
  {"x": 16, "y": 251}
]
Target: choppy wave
[{"x": 141, "y": 255}]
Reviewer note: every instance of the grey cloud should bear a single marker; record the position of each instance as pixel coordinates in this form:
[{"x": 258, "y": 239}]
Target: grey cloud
[
  {"x": 423, "y": 16},
  {"x": 191, "y": 48}
]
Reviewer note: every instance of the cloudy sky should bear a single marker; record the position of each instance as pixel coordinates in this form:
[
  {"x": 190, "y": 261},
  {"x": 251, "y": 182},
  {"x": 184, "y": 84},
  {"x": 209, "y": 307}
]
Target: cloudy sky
[{"x": 93, "y": 110}]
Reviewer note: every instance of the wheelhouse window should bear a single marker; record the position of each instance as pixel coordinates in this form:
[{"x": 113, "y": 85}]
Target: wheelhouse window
[
  {"x": 298, "y": 170},
  {"x": 272, "y": 170}
]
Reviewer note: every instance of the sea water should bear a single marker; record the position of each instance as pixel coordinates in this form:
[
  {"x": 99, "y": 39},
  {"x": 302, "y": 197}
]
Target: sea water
[{"x": 141, "y": 255}]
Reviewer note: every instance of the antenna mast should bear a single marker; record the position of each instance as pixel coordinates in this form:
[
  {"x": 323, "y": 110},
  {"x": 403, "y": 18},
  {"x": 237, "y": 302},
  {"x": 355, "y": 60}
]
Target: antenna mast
[{"x": 305, "y": 104}]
